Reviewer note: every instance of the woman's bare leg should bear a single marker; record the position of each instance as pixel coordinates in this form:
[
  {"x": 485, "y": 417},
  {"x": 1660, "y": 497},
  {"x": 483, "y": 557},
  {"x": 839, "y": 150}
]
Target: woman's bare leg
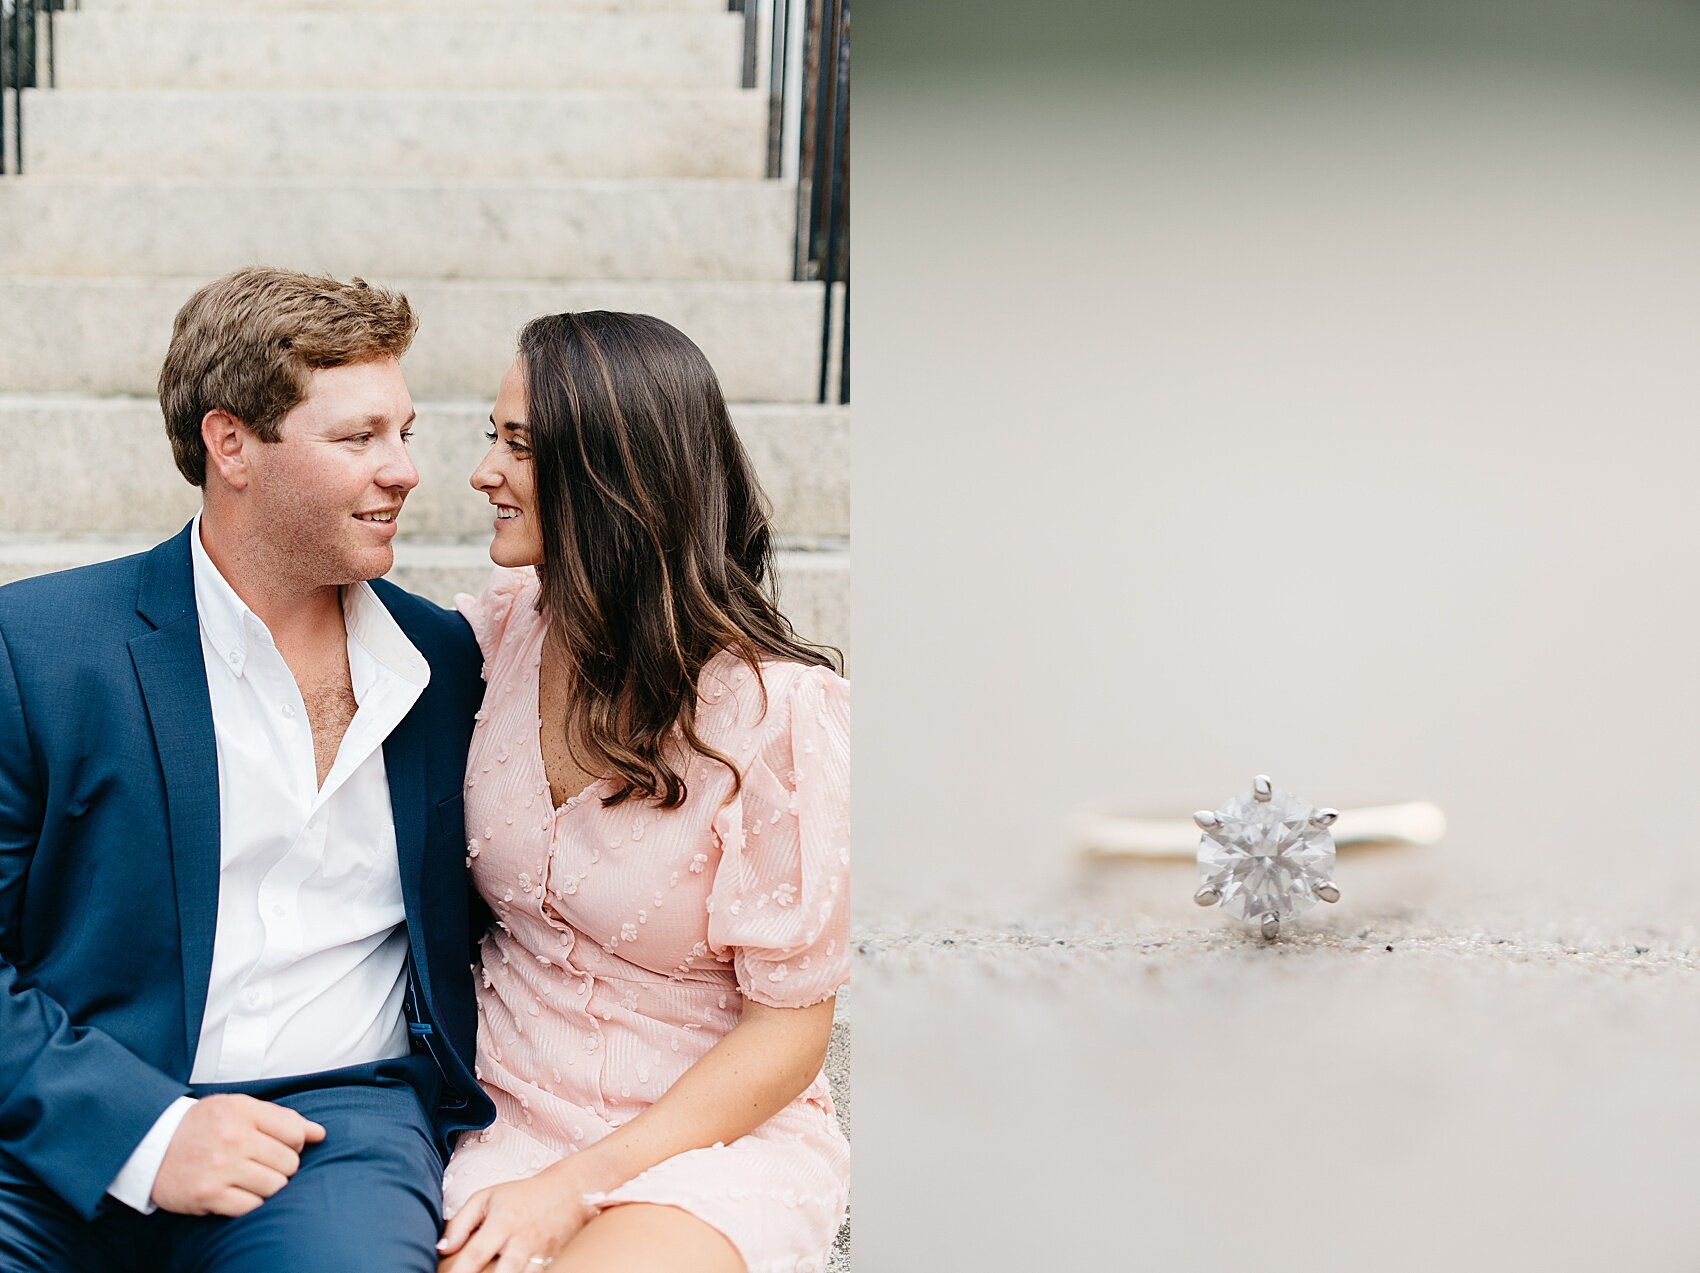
[{"x": 642, "y": 1237}]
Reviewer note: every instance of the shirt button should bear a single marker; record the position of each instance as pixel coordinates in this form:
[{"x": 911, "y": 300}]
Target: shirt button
[
  {"x": 252, "y": 998},
  {"x": 277, "y": 910},
  {"x": 233, "y": 656},
  {"x": 289, "y": 711}
]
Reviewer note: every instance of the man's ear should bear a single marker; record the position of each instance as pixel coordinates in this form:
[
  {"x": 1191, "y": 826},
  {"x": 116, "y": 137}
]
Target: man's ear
[{"x": 227, "y": 441}]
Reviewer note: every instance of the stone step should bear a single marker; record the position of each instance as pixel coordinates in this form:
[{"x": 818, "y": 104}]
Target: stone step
[
  {"x": 124, "y": 480},
  {"x": 108, "y": 336},
  {"x": 538, "y": 136},
  {"x": 381, "y": 51},
  {"x": 814, "y": 583},
  {"x": 603, "y": 230},
  {"x": 401, "y": 6}
]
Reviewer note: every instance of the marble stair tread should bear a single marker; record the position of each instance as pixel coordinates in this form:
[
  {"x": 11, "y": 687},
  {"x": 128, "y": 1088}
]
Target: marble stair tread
[
  {"x": 333, "y": 49},
  {"x": 537, "y": 136},
  {"x": 106, "y": 336},
  {"x": 264, "y": 7},
  {"x": 604, "y": 230}
]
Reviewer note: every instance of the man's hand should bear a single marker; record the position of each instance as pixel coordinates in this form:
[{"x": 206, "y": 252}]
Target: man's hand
[{"x": 229, "y": 1154}]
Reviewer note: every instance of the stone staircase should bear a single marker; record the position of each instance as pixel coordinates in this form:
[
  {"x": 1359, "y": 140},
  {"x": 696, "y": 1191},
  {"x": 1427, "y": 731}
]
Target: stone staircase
[{"x": 495, "y": 162}]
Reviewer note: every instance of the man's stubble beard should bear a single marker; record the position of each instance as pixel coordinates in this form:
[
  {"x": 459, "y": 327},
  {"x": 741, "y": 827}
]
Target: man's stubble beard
[{"x": 289, "y": 549}]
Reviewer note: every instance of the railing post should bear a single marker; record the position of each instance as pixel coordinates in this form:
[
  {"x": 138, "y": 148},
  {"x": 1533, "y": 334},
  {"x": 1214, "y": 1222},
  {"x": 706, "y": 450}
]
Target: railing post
[
  {"x": 812, "y": 91},
  {"x": 749, "y": 9},
  {"x": 844, "y": 346},
  {"x": 835, "y": 72},
  {"x": 821, "y": 129},
  {"x": 5, "y": 61},
  {"x": 32, "y": 27},
  {"x": 805, "y": 94},
  {"x": 778, "y": 55},
  {"x": 18, "y": 77},
  {"x": 21, "y": 36}
]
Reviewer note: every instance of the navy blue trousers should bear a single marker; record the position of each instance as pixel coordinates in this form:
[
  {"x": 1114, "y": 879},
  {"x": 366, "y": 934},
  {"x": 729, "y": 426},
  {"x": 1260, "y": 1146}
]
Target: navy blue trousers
[{"x": 367, "y": 1198}]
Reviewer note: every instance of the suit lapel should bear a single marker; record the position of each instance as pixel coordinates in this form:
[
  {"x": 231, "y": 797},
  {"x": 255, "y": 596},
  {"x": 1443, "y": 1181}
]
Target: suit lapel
[
  {"x": 404, "y": 766},
  {"x": 405, "y": 752},
  {"x": 173, "y": 678}
]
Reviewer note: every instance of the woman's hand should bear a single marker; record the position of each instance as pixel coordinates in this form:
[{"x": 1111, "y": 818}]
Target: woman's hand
[
  {"x": 505, "y": 1227},
  {"x": 760, "y": 1066}
]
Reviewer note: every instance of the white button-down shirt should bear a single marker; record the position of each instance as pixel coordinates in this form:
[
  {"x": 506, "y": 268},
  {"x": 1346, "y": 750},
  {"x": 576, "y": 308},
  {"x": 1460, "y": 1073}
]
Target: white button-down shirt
[{"x": 309, "y": 966}]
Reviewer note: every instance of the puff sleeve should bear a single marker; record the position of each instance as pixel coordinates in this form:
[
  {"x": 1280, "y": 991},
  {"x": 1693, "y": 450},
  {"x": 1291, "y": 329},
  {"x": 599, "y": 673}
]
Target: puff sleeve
[
  {"x": 488, "y": 612},
  {"x": 780, "y": 902}
]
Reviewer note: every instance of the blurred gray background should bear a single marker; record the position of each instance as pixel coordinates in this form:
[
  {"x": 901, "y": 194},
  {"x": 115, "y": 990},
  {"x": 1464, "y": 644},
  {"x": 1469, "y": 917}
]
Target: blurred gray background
[{"x": 1305, "y": 389}]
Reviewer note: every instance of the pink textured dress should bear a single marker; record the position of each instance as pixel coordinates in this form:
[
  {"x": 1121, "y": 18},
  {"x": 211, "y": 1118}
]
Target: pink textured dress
[{"x": 626, "y": 935}]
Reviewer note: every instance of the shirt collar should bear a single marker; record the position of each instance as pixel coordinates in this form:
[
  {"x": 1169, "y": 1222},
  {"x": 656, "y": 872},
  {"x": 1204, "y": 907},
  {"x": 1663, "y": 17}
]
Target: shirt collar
[
  {"x": 228, "y": 624},
  {"x": 224, "y": 616},
  {"x": 373, "y": 627}
]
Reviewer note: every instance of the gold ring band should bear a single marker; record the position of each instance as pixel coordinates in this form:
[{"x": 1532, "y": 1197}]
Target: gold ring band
[{"x": 1106, "y": 835}]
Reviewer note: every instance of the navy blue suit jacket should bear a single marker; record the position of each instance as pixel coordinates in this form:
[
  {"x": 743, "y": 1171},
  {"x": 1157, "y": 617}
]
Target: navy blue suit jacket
[{"x": 109, "y": 858}]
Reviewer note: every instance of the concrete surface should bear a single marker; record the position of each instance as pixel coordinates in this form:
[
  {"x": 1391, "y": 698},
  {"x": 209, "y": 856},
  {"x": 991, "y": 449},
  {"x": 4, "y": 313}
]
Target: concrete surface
[
  {"x": 838, "y": 1074},
  {"x": 545, "y": 136},
  {"x": 1083, "y": 1087}
]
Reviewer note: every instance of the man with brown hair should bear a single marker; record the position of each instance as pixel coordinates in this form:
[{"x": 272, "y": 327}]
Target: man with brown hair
[{"x": 236, "y": 1020}]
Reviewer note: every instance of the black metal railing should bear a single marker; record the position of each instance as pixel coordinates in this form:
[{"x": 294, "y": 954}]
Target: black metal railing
[
  {"x": 26, "y": 61},
  {"x": 808, "y": 86},
  {"x": 829, "y": 202}
]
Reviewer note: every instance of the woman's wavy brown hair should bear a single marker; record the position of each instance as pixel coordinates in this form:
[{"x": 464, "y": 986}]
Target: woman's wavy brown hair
[{"x": 656, "y": 549}]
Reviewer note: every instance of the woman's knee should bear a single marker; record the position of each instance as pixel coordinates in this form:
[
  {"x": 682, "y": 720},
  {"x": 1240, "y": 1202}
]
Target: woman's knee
[{"x": 640, "y": 1237}]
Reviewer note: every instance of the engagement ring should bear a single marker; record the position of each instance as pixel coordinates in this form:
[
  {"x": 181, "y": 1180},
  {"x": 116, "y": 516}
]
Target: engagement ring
[{"x": 1264, "y": 856}]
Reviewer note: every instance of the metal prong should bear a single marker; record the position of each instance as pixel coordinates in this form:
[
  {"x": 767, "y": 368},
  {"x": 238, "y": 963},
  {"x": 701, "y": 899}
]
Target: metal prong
[
  {"x": 1209, "y": 895},
  {"x": 1206, "y": 820},
  {"x": 1262, "y": 788},
  {"x": 1327, "y": 891},
  {"x": 1271, "y": 926},
  {"x": 1324, "y": 817}
]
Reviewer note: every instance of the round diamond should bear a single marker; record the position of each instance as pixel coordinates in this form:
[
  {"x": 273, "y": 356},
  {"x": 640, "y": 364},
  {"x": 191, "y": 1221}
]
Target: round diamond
[{"x": 1266, "y": 857}]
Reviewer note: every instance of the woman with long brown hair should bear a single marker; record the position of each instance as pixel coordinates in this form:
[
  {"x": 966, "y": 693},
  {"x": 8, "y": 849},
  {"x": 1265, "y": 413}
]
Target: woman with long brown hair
[{"x": 657, "y": 811}]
